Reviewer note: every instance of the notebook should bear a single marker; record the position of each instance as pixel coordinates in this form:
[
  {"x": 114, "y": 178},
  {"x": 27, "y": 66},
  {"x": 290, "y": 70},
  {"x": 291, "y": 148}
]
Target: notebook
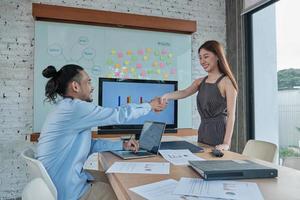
[
  {"x": 150, "y": 140},
  {"x": 232, "y": 169}
]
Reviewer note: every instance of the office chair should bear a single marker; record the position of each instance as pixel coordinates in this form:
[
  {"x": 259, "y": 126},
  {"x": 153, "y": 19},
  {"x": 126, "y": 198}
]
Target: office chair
[
  {"x": 261, "y": 150},
  {"x": 37, "y": 189},
  {"x": 40, "y": 176},
  {"x": 292, "y": 162}
]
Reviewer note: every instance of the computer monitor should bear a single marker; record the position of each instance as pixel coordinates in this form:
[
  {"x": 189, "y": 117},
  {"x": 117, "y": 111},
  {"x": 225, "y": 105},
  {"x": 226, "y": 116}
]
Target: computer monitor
[{"x": 115, "y": 92}]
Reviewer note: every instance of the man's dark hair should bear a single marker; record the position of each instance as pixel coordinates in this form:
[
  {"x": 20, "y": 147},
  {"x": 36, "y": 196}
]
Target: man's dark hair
[{"x": 59, "y": 80}]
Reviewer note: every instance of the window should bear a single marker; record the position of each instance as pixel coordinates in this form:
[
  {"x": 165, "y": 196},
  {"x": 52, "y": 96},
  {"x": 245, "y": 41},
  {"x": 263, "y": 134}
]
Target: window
[
  {"x": 288, "y": 74},
  {"x": 276, "y": 78}
]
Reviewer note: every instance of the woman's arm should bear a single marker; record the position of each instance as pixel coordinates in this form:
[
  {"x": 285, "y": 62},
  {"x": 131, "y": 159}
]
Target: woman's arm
[
  {"x": 180, "y": 94},
  {"x": 231, "y": 95}
]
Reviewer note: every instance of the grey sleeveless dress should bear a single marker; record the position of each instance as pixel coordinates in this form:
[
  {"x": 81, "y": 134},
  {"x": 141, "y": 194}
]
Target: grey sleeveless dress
[{"x": 212, "y": 108}]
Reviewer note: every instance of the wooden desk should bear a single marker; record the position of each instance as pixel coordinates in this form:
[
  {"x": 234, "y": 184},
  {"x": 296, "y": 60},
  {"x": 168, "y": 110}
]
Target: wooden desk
[{"x": 285, "y": 187}]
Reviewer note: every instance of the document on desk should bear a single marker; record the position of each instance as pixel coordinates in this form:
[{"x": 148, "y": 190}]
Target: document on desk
[
  {"x": 218, "y": 189},
  {"x": 92, "y": 162},
  {"x": 162, "y": 190},
  {"x": 158, "y": 190},
  {"x": 179, "y": 157},
  {"x": 140, "y": 168}
]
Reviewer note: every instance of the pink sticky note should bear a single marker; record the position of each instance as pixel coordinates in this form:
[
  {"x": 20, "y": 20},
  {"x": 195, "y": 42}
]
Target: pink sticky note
[
  {"x": 120, "y": 54},
  {"x": 164, "y": 52},
  {"x": 117, "y": 74},
  {"x": 141, "y": 52},
  {"x": 143, "y": 73},
  {"x": 173, "y": 70},
  {"x": 161, "y": 65},
  {"x": 139, "y": 65}
]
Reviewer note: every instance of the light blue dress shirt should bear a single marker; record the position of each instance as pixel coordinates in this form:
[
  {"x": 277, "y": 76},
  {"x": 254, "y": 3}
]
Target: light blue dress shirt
[{"x": 66, "y": 142}]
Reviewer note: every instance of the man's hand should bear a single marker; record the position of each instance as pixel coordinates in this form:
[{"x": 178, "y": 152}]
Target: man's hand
[
  {"x": 157, "y": 105},
  {"x": 131, "y": 145}
]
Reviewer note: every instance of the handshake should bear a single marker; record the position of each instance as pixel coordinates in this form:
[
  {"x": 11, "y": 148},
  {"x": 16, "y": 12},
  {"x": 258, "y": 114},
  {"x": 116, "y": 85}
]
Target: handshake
[{"x": 158, "y": 104}]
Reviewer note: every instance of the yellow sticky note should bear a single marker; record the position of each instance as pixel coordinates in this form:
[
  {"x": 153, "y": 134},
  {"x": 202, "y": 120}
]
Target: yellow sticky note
[
  {"x": 166, "y": 75},
  {"x": 148, "y": 50},
  {"x": 129, "y": 52},
  {"x": 125, "y": 70},
  {"x": 154, "y": 64},
  {"x": 132, "y": 69}
]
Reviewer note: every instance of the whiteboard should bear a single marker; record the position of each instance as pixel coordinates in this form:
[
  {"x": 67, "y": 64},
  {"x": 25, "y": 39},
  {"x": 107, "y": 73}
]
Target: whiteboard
[{"x": 112, "y": 53}]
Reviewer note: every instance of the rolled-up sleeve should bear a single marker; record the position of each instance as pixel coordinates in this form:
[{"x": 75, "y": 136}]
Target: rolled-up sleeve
[
  {"x": 90, "y": 115},
  {"x": 101, "y": 145}
]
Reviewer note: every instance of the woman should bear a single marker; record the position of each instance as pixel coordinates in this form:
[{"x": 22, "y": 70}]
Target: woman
[{"x": 216, "y": 98}]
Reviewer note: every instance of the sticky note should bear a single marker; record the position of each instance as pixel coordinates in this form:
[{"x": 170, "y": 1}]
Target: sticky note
[
  {"x": 148, "y": 50},
  {"x": 120, "y": 54},
  {"x": 117, "y": 74},
  {"x": 166, "y": 76},
  {"x": 155, "y": 64},
  {"x": 129, "y": 52},
  {"x": 161, "y": 65},
  {"x": 141, "y": 52}
]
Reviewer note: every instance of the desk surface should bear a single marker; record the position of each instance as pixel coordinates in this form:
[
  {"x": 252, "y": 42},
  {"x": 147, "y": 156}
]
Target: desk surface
[{"x": 285, "y": 186}]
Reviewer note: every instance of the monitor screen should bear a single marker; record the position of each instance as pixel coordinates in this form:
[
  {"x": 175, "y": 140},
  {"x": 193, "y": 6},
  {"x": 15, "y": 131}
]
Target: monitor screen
[{"x": 117, "y": 92}]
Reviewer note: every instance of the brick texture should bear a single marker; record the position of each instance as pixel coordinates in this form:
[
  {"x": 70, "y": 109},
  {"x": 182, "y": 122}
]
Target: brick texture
[{"x": 16, "y": 66}]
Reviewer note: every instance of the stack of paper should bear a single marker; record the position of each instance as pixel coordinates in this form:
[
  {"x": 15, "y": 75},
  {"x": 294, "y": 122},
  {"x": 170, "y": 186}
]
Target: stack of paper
[
  {"x": 92, "y": 162},
  {"x": 140, "y": 168},
  {"x": 179, "y": 157},
  {"x": 198, "y": 189}
]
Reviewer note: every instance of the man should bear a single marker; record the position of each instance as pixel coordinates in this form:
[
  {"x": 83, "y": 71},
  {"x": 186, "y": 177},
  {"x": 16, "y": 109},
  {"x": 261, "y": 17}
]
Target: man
[{"x": 65, "y": 142}]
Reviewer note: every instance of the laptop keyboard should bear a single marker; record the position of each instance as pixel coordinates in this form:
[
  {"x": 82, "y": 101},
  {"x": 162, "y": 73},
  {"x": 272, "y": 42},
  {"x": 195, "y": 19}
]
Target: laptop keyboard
[{"x": 139, "y": 153}]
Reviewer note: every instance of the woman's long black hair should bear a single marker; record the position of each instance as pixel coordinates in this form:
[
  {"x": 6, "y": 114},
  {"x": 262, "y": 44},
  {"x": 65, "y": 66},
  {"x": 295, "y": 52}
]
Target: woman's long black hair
[{"x": 58, "y": 83}]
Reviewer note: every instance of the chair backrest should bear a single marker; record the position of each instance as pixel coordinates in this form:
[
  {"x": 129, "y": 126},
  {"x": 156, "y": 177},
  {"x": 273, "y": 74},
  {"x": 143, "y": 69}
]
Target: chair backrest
[
  {"x": 37, "y": 170},
  {"x": 292, "y": 162},
  {"x": 37, "y": 189},
  {"x": 261, "y": 150}
]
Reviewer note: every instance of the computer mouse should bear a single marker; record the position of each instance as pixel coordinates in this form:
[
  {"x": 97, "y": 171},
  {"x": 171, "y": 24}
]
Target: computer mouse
[{"x": 217, "y": 153}]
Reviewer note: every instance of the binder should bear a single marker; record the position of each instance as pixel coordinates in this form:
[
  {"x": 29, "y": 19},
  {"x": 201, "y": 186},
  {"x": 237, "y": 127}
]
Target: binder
[{"x": 232, "y": 169}]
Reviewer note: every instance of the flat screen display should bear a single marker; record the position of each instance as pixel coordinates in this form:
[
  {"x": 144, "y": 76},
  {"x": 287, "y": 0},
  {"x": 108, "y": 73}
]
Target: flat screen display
[{"x": 118, "y": 92}]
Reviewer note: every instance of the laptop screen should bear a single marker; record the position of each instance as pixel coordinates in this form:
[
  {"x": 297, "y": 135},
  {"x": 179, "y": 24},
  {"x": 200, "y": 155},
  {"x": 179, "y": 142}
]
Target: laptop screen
[{"x": 151, "y": 136}]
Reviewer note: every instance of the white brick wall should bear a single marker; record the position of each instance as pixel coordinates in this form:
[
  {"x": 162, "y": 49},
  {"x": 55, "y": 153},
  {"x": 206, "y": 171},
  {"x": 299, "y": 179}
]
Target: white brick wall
[{"x": 16, "y": 66}]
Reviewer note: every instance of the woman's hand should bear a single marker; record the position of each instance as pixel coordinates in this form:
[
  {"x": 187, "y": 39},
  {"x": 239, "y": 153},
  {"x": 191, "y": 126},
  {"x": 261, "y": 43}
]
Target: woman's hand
[
  {"x": 156, "y": 104},
  {"x": 164, "y": 98},
  {"x": 223, "y": 147}
]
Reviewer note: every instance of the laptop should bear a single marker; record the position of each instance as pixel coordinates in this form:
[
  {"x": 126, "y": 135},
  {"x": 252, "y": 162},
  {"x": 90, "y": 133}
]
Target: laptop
[
  {"x": 150, "y": 140},
  {"x": 232, "y": 169},
  {"x": 181, "y": 144}
]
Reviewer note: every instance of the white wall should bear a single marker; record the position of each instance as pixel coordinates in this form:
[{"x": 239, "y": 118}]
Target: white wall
[
  {"x": 265, "y": 75},
  {"x": 16, "y": 66},
  {"x": 289, "y": 117}
]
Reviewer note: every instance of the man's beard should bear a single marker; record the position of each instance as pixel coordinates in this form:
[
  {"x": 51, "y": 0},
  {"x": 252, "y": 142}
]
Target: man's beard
[{"x": 89, "y": 100}]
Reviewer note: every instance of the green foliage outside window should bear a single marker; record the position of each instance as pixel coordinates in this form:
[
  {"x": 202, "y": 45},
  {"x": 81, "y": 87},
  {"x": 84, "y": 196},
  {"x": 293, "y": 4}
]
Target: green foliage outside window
[{"x": 288, "y": 79}]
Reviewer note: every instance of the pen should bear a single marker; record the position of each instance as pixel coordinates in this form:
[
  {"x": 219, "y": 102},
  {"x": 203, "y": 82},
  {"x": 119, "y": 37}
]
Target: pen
[{"x": 131, "y": 136}]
